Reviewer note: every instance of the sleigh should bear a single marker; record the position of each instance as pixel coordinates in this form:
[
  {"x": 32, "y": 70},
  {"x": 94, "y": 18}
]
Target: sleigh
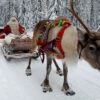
[{"x": 19, "y": 48}]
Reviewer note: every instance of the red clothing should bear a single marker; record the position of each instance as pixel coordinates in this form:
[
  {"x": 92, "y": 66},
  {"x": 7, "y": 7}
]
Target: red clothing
[
  {"x": 7, "y": 30},
  {"x": 2, "y": 36},
  {"x": 21, "y": 28}
]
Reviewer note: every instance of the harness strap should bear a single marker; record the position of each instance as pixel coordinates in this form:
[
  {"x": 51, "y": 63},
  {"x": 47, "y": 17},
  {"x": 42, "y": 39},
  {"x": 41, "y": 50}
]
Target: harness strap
[
  {"x": 59, "y": 37},
  {"x": 47, "y": 47},
  {"x": 41, "y": 56},
  {"x": 79, "y": 48}
]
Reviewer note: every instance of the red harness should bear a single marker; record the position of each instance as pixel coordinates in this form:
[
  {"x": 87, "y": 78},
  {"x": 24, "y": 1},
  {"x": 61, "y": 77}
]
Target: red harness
[
  {"x": 59, "y": 37},
  {"x": 58, "y": 42}
]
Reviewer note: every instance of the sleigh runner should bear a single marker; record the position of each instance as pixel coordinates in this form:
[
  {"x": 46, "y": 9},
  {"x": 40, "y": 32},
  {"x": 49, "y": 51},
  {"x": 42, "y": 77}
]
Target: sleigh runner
[{"x": 19, "y": 48}]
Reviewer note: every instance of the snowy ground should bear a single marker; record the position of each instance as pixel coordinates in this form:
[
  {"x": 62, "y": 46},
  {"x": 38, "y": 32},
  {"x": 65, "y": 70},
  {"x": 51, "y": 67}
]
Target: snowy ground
[{"x": 15, "y": 85}]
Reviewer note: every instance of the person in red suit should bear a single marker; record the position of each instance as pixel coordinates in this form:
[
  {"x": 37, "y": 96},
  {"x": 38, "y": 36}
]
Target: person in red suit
[{"x": 13, "y": 27}]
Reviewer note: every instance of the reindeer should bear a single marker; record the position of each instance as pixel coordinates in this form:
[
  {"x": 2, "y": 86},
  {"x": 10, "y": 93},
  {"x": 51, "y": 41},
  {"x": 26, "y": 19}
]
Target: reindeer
[{"x": 75, "y": 42}]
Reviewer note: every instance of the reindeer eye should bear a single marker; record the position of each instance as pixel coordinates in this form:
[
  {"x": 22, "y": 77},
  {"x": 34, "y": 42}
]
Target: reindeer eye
[{"x": 92, "y": 48}]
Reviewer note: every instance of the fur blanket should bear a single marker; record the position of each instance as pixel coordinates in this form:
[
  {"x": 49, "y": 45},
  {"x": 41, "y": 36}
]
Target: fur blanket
[{"x": 11, "y": 36}]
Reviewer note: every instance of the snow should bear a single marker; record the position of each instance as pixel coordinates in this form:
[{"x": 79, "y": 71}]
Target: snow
[{"x": 15, "y": 85}]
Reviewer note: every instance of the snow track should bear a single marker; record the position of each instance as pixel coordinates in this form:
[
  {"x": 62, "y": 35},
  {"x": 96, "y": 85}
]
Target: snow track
[{"x": 15, "y": 85}]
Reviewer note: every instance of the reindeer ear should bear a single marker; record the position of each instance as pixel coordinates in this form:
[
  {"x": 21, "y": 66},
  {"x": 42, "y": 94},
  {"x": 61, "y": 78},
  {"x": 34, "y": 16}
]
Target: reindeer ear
[{"x": 83, "y": 37}]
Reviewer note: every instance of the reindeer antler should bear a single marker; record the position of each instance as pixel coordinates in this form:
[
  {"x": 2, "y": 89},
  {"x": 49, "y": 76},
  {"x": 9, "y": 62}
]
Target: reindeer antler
[
  {"x": 77, "y": 17},
  {"x": 92, "y": 34}
]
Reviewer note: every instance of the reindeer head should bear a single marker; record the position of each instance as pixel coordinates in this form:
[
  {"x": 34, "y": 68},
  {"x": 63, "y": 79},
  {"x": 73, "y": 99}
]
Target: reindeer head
[{"x": 90, "y": 42}]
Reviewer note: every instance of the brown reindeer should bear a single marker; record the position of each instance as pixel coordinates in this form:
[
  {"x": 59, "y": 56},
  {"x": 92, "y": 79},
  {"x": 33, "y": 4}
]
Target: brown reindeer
[
  {"x": 75, "y": 42},
  {"x": 37, "y": 30}
]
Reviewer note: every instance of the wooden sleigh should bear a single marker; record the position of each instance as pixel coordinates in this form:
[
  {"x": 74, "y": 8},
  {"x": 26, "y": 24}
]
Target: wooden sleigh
[{"x": 19, "y": 48}]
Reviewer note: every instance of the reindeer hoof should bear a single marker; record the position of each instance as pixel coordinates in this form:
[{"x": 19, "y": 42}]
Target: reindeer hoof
[
  {"x": 59, "y": 72},
  {"x": 50, "y": 90},
  {"x": 28, "y": 72},
  {"x": 68, "y": 92},
  {"x": 46, "y": 88}
]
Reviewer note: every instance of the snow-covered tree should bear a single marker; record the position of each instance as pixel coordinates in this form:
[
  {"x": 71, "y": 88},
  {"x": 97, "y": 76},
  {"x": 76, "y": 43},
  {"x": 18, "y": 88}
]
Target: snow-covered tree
[{"x": 29, "y": 12}]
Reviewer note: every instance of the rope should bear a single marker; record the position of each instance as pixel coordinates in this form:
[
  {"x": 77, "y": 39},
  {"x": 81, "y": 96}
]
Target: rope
[{"x": 51, "y": 53}]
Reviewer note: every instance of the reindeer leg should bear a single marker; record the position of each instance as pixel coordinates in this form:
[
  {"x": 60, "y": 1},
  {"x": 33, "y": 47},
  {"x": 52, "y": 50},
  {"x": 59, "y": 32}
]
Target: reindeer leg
[
  {"x": 66, "y": 89},
  {"x": 59, "y": 71},
  {"x": 45, "y": 84},
  {"x": 28, "y": 69}
]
